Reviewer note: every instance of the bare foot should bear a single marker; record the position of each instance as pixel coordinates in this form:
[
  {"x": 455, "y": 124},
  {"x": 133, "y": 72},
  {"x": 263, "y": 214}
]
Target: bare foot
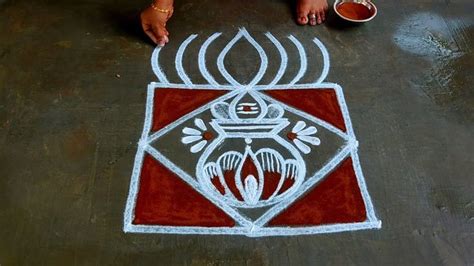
[
  {"x": 311, "y": 12},
  {"x": 154, "y": 20}
]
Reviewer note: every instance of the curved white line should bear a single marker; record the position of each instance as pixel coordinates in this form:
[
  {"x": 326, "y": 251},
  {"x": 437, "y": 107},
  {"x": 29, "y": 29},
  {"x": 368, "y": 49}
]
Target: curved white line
[
  {"x": 326, "y": 62},
  {"x": 283, "y": 57},
  {"x": 303, "y": 59},
  {"x": 179, "y": 60},
  {"x": 221, "y": 57},
  {"x": 263, "y": 58},
  {"x": 202, "y": 59},
  {"x": 155, "y": 65}
]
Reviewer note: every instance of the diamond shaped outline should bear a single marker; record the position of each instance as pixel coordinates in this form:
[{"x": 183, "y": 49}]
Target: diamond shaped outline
[
  {"x": 336, "y": 159},
  {"x": 247, "y": 227}
]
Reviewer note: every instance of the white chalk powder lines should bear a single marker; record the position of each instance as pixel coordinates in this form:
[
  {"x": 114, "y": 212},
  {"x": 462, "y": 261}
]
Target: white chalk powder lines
[{"x": 253, "y": 119}]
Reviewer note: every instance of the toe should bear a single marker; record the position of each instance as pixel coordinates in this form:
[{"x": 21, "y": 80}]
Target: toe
[
  {"x": 319, "y": 18},
  {"x": 323, "y": 15},
  {"x": 302, "y": 18},
  {"x": 313, "y": 18}
]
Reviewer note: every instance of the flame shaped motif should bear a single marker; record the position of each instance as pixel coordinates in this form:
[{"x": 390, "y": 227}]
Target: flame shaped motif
[
  {"x": 242, "y": 34},
  {"x": 263, "y": 59},
  {"x": 253, "y": 188}
]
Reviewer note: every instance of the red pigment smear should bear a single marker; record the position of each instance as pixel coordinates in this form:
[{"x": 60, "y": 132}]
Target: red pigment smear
[
  {"x": 164, "y": 199},
  {"x": 287, "y": 184},
  {"x": 291, "y": 136},
  {"x": 217, "y": 183},
  {"x": 336, "y": 199},
  {"x": 207, "y": 135},
  {"x": 271, "y": 180},
  {"x": 171, "y": 104},
  {"x": 354, "y": 11},
  {"x": 229, "y": 176},
  {"x": 321, "y": 103}
]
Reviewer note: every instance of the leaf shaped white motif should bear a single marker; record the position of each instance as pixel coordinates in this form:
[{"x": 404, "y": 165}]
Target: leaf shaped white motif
[
  {"x": 191, "y": 131},
  {"x": 200, "y": 124},
  {"x": 190, "y": 139},
  {"x": 310, "y": 139},
  {"x": 308, "y": 131},
  {"x": 298, "y": 127},
  {"x": 198, "y": 147},
  {"x": 303, "y": 147}
]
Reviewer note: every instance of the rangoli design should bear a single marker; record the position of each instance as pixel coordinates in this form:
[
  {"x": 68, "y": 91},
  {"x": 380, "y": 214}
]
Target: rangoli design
[{"x": 247, "y": 159}]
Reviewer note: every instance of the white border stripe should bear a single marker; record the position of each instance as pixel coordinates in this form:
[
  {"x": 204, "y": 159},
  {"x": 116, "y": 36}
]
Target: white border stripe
[
  {"x": 322, "y": 86},
  {"x": 137, "y": 167},
  {"x": 155, "y": 65},
  {"x": 344, "y": 110},
  {"x": 311, "y": 230},
  {"x": 303, "y": 60},
  {"x": 179, "y": 60},
  {"x": 369, "y": 207},
  {"x": 253, "y": 232},
  {"x": 202, "y": 59}
]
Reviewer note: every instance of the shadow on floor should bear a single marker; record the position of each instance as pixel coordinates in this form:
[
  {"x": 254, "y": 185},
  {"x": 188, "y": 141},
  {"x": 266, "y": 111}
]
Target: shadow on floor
[{"x": 126, "y": 21}]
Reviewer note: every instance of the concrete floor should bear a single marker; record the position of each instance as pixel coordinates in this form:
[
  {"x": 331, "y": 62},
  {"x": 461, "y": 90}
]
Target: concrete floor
[{"x": 73, "y": 78}]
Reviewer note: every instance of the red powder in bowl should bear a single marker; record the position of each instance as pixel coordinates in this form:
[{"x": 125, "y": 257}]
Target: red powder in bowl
[{"x": 354, "y": 11}]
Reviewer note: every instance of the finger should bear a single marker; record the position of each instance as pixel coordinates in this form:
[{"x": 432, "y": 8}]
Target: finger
[
  {"x": 312, "y": 19},
  {"x": 152, "y": 36},
  {"x": 302, "y": 17},
  {"x": 319, "y": 18},
  {"x": 160, "y": 30},
  {"x": 148, "y": 31},
  {"x": 162, "y": 41},
  {"x": 161, "y": 37}
]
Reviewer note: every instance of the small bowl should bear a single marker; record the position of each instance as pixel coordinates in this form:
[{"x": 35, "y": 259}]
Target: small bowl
[{"x": 370, "y": 8}]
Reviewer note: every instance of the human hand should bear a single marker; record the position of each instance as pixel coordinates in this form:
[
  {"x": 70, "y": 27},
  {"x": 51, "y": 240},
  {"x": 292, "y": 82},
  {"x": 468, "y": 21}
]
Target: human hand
[{"x": 154, "y": 20}]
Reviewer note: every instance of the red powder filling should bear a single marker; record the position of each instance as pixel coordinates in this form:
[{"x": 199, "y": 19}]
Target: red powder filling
[
  {"x": 321, "y": 103},
  {"x": 165, "y": 199},
  {"x": 336, "y": 199},
  {"x": 354, "y": 11},
  {"x": 171, "y": 104}
]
